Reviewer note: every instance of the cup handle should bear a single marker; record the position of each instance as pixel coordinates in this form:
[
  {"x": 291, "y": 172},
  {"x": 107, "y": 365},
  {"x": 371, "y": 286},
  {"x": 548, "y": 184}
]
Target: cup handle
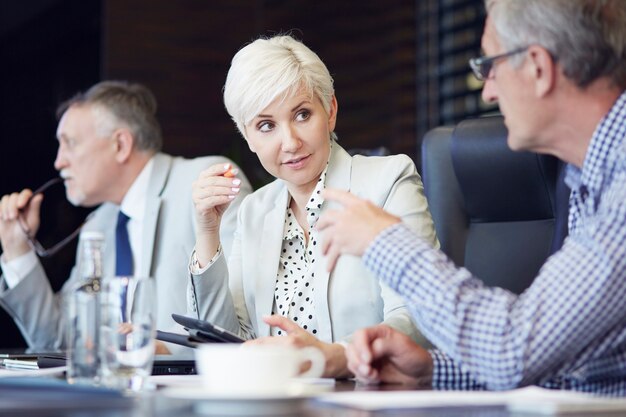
[{"x": 317, "y": 359}]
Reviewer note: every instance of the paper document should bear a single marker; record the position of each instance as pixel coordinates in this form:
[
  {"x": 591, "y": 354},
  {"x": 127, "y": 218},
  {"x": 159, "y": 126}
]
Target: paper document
[
  {"x": 551, "y": 402},
  {"x": 529, "y": 400},
  {"x": 385, "y": 400},
  {"x": 8, "y": 372},
  {"x": 20, "y": 363}
]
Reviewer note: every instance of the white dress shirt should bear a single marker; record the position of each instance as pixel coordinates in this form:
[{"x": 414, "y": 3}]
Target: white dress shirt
[{"x": 134, "y": 206}]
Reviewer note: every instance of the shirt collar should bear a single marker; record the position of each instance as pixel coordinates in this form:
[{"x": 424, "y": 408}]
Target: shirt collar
[
  {"x": 134, "y": 202},
  {"x": 609, "y": 134},
  {"x": 316, "y": 200}
]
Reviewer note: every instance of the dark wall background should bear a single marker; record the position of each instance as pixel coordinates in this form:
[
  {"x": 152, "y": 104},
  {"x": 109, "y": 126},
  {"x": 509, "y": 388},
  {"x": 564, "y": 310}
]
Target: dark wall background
[
  {"x": 182, "y": 50},
  {"x": 49, "y": 49}
]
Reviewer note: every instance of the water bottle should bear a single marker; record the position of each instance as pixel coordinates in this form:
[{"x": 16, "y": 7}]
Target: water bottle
[{"x": 83, "y": 318}]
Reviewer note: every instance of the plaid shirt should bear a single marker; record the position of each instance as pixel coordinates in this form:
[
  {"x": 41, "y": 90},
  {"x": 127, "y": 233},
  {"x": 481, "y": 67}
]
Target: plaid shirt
[{"x": 568, "y": 329}]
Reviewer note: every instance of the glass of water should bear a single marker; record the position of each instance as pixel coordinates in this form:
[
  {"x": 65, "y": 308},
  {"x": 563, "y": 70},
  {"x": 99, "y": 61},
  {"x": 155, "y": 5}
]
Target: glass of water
[{"x": 127, "y": 331}]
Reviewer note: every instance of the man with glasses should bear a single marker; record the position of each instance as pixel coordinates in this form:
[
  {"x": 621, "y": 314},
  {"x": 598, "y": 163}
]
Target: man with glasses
[
  {"x": 109, "y": 155},
  {"x": 558, "y": 71}
]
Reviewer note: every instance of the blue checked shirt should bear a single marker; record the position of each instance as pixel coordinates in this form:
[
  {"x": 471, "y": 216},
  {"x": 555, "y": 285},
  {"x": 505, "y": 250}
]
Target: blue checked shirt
[{"x": 568, "y": 329}]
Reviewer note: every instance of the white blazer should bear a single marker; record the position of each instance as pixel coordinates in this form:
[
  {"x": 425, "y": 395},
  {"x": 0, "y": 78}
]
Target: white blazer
[{"x": 346, "y": 300}]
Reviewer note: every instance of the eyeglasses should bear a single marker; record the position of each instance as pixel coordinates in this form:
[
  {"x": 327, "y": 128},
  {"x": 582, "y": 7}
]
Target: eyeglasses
[
  {"x": 482, "y": 66},
  {"x": 32, "y": 241}
]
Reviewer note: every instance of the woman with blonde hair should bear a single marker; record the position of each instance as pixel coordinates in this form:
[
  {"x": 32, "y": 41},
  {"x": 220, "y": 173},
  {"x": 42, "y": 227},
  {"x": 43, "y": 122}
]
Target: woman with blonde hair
[{"x": 275, "y": 286}]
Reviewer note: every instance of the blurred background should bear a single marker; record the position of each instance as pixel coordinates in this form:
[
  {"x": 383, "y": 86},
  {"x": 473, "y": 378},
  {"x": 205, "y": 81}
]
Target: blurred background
[{"x": 400, "y": 68}]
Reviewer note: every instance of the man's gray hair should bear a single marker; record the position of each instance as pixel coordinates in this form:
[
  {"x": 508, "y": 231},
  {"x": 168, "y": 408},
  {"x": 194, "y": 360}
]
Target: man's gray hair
[
  {"x": 122, "y": 104},
  {"x": 586, "y": 37}
]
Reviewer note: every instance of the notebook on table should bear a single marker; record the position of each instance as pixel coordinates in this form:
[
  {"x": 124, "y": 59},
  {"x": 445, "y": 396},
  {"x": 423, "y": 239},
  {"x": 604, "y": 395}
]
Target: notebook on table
[{"x": 162, "y": 365}]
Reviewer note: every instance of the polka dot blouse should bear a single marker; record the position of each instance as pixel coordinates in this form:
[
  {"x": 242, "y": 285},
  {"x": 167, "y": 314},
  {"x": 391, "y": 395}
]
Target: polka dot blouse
[{"x": 293, "y": 296}]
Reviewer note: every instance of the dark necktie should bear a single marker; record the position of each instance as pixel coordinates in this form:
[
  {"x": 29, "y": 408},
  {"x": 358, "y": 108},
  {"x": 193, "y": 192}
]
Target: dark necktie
[{"x": 123, "y": 254}]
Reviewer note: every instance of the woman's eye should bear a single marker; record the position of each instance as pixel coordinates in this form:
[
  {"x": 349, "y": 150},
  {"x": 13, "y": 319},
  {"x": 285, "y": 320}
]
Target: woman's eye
[
  {"x": 303, "y": 115},
  {"x": 265, "y": 126}
]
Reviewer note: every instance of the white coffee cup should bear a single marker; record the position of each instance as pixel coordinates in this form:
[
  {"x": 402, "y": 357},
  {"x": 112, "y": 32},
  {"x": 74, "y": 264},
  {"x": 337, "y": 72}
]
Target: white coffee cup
[{"x": 232, "y": 370}]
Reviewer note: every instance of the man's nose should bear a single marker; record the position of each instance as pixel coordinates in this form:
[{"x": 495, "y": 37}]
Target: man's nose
[
  {"x": 489, "y": 93},
  {"x": 60, "y": 161}
]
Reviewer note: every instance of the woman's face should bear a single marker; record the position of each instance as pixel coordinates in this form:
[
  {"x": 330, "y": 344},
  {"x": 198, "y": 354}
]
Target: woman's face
[{"x": 292, "y": 139}]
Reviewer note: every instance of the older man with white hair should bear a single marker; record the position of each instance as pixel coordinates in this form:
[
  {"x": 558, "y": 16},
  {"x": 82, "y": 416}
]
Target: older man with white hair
[{"x": 558, "y": 70}]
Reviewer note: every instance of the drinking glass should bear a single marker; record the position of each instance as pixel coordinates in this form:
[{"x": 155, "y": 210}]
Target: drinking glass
[{"x": 127, "y": 331}]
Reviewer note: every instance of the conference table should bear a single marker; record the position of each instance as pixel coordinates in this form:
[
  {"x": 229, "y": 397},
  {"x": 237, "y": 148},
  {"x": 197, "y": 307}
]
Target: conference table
[
  {"x": 183, "y": 396},
  {"x": 58, "y": 401},
  {"x": 48, "y": 396}
]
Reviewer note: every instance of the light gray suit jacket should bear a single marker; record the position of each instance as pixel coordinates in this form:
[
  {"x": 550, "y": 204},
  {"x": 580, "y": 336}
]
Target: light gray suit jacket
[
  {"x": 346, "y": 300},
  {"x": 169, "y": 237}
]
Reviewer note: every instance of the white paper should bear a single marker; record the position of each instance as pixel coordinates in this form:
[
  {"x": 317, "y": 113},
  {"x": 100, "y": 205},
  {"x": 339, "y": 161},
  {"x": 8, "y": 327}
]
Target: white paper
[
  {"x": 6, "y": 373},
  {"x": 381, "y": 400},
  {"x": 550, "y": 402},
  {"x": 529, "y": 399}
]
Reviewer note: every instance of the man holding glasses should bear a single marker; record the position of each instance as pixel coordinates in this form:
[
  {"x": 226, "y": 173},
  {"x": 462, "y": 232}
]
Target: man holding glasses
[
  {"x": 558, "y": 70},
  {"x": 109, "y": 154}
]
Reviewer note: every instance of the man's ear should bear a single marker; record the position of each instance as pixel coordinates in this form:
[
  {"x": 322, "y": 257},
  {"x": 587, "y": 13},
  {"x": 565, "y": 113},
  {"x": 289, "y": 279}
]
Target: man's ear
[
  {"x": 542, "y": 70},
  {"x": 123, "y": 141}
]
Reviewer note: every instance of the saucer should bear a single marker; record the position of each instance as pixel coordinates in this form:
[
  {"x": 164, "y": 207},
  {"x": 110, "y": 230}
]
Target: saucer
[{"x": 275, "y": 403}]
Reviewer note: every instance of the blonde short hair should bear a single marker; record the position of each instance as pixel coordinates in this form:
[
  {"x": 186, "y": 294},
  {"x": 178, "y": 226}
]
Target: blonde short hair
[{"x": 267, "y": 69}]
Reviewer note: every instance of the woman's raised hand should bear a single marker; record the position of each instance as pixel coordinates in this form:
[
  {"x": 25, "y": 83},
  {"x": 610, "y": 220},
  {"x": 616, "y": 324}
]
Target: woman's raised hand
[{"x": 212, "y": 193}]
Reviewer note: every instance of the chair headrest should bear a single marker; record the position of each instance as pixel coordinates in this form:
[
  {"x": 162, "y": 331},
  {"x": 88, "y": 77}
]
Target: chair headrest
[{"x": 498, "y": 184}]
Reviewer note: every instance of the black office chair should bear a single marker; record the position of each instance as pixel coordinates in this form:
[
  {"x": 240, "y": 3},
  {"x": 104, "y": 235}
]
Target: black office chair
[{"x": 494, "y": 209}]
